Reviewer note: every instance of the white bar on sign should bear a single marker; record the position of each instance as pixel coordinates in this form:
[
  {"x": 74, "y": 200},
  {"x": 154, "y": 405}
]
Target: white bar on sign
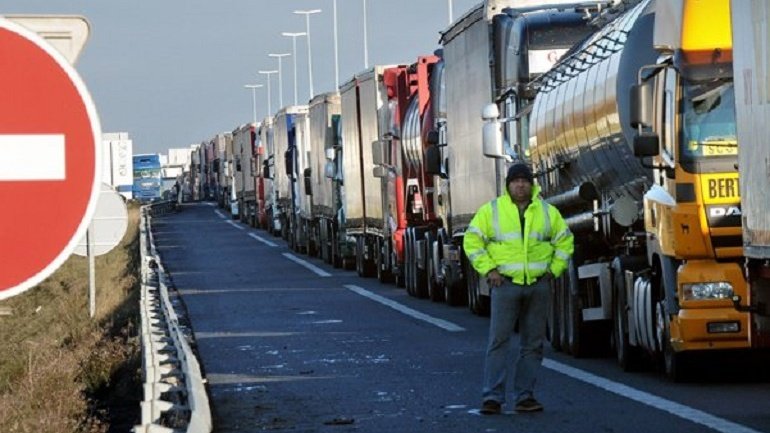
[{"x": 32, "y": 157}]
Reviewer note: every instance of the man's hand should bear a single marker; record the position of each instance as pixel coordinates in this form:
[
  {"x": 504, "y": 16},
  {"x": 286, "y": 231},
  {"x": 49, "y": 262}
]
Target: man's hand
[{"x": 494, "y": 279}]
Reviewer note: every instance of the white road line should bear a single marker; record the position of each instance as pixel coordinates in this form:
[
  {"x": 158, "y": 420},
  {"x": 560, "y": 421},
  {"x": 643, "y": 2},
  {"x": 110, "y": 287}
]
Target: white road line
[
  {"x": 221, "y": 215},
  {"x": 32, "y": 157},
  {"x": 676, "y": 409},
  {"x": 441, "y": 323},
  {"x": 264, "y": 241},
  {"x": 236, "y": 225},
  {"x": 318, "y": 271}
]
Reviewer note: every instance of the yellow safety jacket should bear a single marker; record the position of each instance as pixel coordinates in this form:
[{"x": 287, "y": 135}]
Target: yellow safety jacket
[{"x": 496, "y": 240}]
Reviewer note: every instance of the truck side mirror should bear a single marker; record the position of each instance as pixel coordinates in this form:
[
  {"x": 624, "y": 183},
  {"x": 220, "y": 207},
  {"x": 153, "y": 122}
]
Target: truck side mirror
[
  {"x": 288, "y": 158},
  {"x": 266, "y": 169},
  {"x": 432, "y": 137},
  {"x": 308, "y": 184},
  {"x": 329, "y": 170},
  {"x": 379, "y": 171},
  {"x": 491, "y": 132},
  {"x": 433, "y": 160},
  {"x": 378, "y": 154},
  {"x": 646, "y": 144},
  {"x": 641, "y": 105}
]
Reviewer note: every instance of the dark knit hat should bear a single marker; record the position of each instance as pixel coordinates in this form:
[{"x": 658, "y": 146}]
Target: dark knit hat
[{"x": 519, "y": 170}]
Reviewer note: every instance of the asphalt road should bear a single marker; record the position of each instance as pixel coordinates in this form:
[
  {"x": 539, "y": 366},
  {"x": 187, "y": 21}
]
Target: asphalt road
[{"x": 290, "y": 344}]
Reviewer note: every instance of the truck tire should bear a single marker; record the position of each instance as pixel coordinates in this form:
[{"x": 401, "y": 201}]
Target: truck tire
[
  {"x": 554, "y": 322},
  {"x": 628, "y": 357},
  {"x": 435, "y": 291},
  {"x": 574, "y": 322},
  {"x": 675, "y": 364}
]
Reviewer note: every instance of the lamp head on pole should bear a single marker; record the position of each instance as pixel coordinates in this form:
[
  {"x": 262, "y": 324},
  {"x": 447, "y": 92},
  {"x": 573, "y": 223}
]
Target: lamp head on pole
[{"x": 307, "y": 12}]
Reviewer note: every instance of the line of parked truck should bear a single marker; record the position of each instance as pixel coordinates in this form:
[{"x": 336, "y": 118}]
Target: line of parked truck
[{"x": 626, "y": 111}]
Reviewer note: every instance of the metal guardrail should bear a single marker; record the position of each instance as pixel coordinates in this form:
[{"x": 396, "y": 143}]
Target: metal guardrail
[
  {"x": 175, "y": 398},
  {"x": 163, "y": 207}
]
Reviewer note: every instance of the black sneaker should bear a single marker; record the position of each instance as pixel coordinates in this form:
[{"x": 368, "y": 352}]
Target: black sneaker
[
  {"x": 490, "y": 407},
  {"x": 529, "y": 405}
]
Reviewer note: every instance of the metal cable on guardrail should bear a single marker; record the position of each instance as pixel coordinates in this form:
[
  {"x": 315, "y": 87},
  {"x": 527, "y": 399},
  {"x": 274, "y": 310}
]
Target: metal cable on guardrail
[{"x": 175, "y": 398}]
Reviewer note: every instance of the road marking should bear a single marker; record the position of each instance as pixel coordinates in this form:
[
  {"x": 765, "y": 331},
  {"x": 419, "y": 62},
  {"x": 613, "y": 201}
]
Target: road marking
[
  {"x": 221, "y": 215},
  {"x": 264, "y": 241},
  {"x": 32, "y": 157},
  {"x": 676, "y": 409},
  {"x": 320, "y": 272},
  {"x": 236, "y": 225},
  {"x": 441, "y": 323}
]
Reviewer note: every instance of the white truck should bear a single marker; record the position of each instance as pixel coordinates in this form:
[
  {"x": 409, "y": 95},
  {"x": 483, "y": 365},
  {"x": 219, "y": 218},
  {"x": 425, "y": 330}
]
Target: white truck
[
  {"x": 363, "y": 101},
  {"x": 244, "y": 141},
  {"x": 321, "y": 181},
  {"x": 752, "y": 101}
]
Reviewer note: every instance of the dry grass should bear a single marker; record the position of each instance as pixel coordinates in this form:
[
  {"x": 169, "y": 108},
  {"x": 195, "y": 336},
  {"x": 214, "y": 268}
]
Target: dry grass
[{"x": 61, "y": 371}]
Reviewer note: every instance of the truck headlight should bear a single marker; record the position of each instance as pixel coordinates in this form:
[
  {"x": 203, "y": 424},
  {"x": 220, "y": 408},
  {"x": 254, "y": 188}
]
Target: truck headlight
[{"x": 700, "y": 291}]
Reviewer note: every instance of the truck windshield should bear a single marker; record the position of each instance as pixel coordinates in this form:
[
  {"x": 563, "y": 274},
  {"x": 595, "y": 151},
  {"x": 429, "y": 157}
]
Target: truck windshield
[{"x": 708, "y": 120}]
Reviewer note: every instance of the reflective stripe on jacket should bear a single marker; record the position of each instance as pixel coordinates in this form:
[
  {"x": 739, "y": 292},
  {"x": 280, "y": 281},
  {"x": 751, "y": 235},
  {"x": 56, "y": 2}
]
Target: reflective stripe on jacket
[{"x": 495, "y": 240}]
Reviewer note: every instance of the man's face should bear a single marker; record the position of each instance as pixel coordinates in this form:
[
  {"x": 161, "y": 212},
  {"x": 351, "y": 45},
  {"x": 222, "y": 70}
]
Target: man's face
[{"x": 520, "y": 189}]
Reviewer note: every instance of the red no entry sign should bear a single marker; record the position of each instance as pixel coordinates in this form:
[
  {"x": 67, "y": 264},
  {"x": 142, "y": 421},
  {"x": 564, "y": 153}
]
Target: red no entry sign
[{"x": 49, "y": 136}]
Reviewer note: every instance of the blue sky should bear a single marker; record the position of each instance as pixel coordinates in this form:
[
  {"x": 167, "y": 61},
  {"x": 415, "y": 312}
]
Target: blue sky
[{"x": 171, "y": 72}]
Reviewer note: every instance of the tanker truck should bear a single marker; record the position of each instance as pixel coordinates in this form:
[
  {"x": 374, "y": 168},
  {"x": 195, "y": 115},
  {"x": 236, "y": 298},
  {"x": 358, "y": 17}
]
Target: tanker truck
[
  {"x": 489, "y": 55},
  {"x": 632, "y": 137},
  {"x": 407, "y": 189},
  {"x": 750, "y": 45}
]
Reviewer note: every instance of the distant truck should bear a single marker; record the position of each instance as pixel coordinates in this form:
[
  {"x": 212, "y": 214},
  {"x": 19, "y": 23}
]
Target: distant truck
[
  {"x": 117, "y": 162},
  {"x": 147, "y": 177}
]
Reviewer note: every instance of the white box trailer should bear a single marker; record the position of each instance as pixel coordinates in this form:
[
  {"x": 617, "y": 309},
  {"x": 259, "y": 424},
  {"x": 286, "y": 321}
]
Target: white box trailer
[
  {"x": 117, "y": 162},
  {"x": 363, "y": 116},
  {"x": 285, "y": 135},
  {"x": 751, "y": 73},
  {"x": 468, "y": 84},
  {"x": 751, "y": 53},
  {"x": 265, "y": 190},
  {"x": 244, "y": 141},
  {"x": 303, "y": 212},
  {"x": 324, "y": 116}
]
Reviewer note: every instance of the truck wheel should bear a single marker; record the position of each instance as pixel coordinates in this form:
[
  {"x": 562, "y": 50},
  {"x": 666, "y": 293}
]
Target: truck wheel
[
  {"x": 383, "y": 275},
  {"x": 408, "y": 262},
  {"x": 434, "y": 290},
  {"x": 420, "y": 275},
  {"x": 455, "y": 293},
  {"x": 574, "y": 323},
  {"x": 674, "y": 363},
  {"x": 553, "y": 314},
  {"x": 479, "y": 305},
  {"x": 629, "y": 357}
]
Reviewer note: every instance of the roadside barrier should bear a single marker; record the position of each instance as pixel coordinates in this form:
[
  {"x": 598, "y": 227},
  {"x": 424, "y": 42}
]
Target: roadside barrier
[{"x": 175, "y": 398}]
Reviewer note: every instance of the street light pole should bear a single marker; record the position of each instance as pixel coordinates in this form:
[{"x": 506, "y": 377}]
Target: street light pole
[
  {"x": 280, "y": 75},
  {"x": 309, "y": 55},
  {"x": 253, "y": 88},
  {"x": 269, "y": 102},
  {"x": 336, "y": 53},
  {"x": 366, "y": 41},
  {"x": 294, "y": 37}
]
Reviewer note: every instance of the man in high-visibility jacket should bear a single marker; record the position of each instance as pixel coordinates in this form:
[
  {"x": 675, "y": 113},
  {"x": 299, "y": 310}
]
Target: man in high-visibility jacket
[{"x": 519, "y": 243}]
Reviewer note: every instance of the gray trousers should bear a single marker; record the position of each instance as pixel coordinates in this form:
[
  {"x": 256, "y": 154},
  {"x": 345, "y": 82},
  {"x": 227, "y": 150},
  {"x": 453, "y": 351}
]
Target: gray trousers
[{"x": 529, "y": 305}]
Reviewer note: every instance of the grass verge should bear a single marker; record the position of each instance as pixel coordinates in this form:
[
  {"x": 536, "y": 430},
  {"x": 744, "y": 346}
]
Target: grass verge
[{"x": 61, "y": 371}]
